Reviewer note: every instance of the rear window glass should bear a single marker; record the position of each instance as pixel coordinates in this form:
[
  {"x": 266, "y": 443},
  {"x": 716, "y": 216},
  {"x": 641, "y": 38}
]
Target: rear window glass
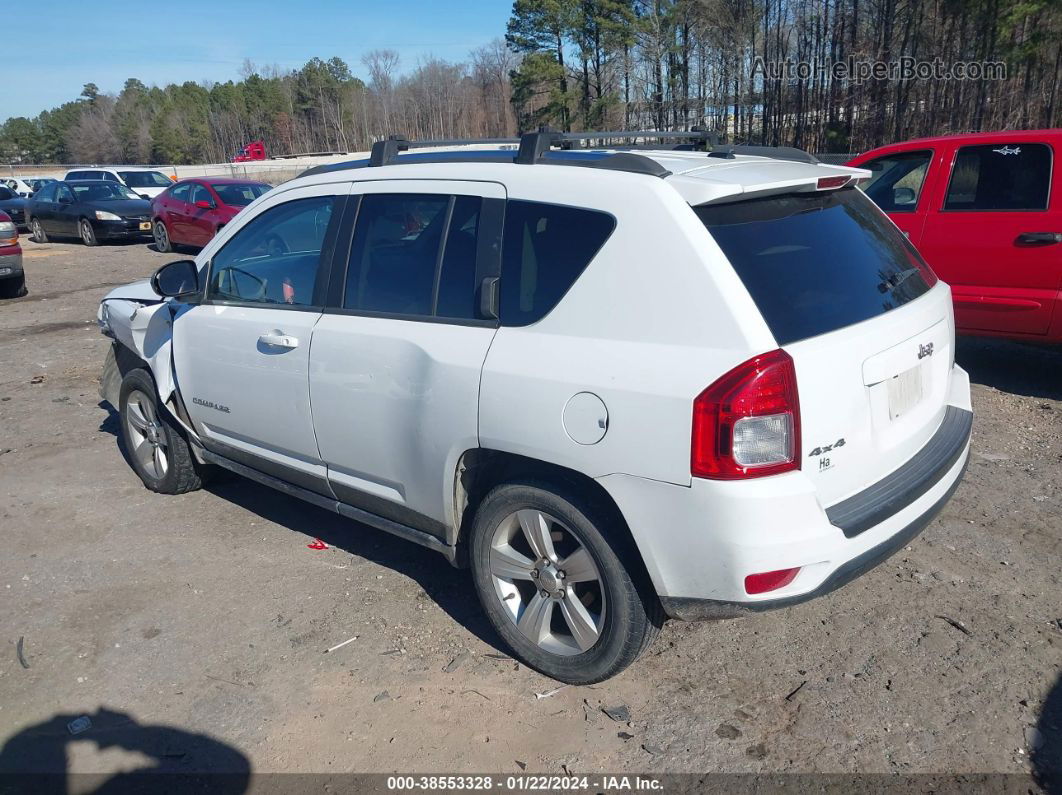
[
  {"x": 546, "y": 247},
  {"x": 817, "y": 262}
]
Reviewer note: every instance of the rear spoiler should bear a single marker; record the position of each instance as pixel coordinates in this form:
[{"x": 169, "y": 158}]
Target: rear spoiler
[{"x": 763, "y": 178}]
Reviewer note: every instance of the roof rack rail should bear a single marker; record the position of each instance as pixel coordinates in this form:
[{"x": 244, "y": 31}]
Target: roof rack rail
[{"x": 537, "y": 148}]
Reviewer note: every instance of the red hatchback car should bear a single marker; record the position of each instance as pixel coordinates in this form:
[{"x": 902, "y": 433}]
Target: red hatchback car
[
  {"x": 190, "y": 212},
  {"x": 985, "y": 211}
]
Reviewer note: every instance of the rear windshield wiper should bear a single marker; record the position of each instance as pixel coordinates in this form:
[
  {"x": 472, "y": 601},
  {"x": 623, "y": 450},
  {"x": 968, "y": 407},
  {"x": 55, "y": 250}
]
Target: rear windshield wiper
[{"x": 896, "y": 280}]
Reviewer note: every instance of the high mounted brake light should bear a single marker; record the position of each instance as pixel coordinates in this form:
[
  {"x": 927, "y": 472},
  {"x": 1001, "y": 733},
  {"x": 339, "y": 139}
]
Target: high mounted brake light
[
  {"x": 747, "y": 424},
  {"x": 829, "y": 183}
]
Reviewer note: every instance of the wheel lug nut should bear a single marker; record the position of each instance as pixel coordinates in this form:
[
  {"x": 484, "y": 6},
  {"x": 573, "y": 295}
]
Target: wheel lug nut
[
  {"x": 534, "y": 573},
  {"x": 560, "y": 573},
  {"x": 545, "y": 593}
]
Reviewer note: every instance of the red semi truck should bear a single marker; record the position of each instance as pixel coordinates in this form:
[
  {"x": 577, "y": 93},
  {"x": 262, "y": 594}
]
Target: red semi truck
[{"x": 255, "y": 150}]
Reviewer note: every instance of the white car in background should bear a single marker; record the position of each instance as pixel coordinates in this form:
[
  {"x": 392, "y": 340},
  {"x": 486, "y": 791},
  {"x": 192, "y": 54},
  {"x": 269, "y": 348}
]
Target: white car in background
[
  {"x": 24, "y": 187},
  {"x": 619, "y": 386},
  {"x": 147, "y": 183}
]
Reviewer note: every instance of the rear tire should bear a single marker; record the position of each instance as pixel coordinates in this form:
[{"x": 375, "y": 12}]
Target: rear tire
[
  {"x": 87, "y": 233},
  {"x": 39, "y": 235},
  {"x": 555, "y": 588},
  {"x": 11, "y": 288},
  {"x": 162, "y": 237},
  {"x": 153, "y": 443}
]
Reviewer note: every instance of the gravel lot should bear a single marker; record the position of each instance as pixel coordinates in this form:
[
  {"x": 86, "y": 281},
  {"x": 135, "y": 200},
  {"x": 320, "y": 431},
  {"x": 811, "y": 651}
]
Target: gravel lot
[{"x": 191, "y": 630}]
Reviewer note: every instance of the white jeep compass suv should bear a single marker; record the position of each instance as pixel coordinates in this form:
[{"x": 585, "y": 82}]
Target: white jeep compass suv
[{"x": 620, "y": 386}]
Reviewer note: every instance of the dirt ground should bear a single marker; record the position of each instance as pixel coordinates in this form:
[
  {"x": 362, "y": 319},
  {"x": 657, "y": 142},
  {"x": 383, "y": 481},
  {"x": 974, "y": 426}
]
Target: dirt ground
[{"x": 192, "y": 630}]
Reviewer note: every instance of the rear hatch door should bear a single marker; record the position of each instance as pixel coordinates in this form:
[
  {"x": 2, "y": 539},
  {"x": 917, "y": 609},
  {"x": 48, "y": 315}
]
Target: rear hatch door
[{"x": 849, "y": 298}]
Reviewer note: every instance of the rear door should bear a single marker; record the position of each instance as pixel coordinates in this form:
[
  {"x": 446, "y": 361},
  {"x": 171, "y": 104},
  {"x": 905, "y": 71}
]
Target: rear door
[
  {"x": 996, "y": 236},
  {"x": 242, "y": 354},
  {"x": 848, "y": 298},
  {"x": 175, "y": 210},
  {"x": 200, "y": 220},
  {"x": 64, "y": 220},
  {"x": 397, "y": 356}
]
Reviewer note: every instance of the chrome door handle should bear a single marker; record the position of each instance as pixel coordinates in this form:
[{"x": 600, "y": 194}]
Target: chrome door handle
[{"x": 279, "y": 340}]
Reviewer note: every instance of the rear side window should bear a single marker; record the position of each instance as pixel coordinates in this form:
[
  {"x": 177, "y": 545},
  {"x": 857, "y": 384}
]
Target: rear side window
[
  {"x": 82, "y": 175},
  {"x": 817, "y": 262},
  {"x": 546, "y": 247},
  {"x": 897, "y": 180},
  {"x": 415, "y": 255},
  {"x": 182, "y": 192},
  {"x": 1000, "y": 177}
]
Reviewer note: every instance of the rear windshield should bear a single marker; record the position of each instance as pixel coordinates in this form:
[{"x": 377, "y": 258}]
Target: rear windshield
[{"x": 817, "y": 262}]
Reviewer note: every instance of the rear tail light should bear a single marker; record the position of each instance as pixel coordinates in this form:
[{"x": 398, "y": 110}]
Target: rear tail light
[
  {"x": 8, "y": 233},
  {"x": 769, "y": 580},
  {"x": 747, "y": 424}
]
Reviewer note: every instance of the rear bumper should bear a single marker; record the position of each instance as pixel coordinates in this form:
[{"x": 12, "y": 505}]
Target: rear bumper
[{"x": 700, "y": 542}]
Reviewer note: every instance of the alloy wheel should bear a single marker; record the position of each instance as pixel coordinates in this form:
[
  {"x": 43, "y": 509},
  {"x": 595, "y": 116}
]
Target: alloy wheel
[
  {"x": 146, "y": 435},
  {"x": 162, "y": 242},
  {"x": 547, "y": 582}
]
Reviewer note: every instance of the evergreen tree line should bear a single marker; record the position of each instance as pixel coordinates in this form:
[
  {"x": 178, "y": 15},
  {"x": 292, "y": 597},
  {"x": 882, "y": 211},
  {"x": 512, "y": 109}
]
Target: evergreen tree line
[{"x": 604, "y": 64}]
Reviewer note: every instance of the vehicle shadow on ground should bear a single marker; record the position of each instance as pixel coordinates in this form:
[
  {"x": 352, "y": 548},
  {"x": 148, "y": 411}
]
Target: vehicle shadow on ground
[
  {"x": 1014, "y": 367},
  {"x": 35, "y": 759},
  {"x": 450, "y": 588},
  {"x": 1047, "y": 757}
]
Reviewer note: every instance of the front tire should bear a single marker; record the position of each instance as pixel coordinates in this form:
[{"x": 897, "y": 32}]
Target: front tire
[
  {"x": 87, "y": 233},
  {"x": 10, "y": 288},
  {"x": 162, "y": 237},
  {"x": 39, "y": 235},
  {"x": 154, "y": 445},
  {"x": 555, "y": 589}
]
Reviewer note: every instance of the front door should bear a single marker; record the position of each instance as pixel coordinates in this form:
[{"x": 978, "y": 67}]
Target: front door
[
  {"x": 898, "y": 186},
  {"x": 242, "y": 354},
  {"x": 396, "y": 360},
  {"x": 996, "y": 237}
]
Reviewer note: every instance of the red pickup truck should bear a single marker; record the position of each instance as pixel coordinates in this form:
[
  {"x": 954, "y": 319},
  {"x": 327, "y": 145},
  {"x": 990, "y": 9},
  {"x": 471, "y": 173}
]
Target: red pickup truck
[
  {"x": 985, "y": 210},
  {"x": 12, "y": 277}
]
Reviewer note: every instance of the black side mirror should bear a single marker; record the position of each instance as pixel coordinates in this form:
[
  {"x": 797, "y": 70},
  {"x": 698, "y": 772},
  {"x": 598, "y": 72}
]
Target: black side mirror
[
  {"x": 175, "y": 279},
  {"x": 903, "y": 196}
]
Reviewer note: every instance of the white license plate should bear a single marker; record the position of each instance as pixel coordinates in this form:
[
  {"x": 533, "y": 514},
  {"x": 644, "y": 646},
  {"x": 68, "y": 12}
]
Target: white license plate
[{"x": 905, "y": 391}]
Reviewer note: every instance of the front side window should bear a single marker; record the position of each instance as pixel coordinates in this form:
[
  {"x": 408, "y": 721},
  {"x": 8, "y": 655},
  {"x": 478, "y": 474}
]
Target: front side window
[
  {"x": 395, "y": 253},
  {"x": 65, "y": 195},
  {"x": 897, "y": 180},
  {"x": 275, "y": 258},
  {"x": 546, "y": 247},
  {"x": 200, "y": 194},
  {"x": 1000, "y": 177}
]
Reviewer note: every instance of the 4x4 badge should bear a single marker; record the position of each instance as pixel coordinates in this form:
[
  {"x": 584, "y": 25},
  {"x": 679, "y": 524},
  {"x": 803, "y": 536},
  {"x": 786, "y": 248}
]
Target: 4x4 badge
[
  {"x": 826, "y": 448},
  {"x": 925, "y": 350}
]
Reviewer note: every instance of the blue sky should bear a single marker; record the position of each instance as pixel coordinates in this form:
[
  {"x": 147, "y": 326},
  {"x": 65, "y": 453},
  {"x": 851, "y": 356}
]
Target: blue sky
[{"x": 71, "y": 43}]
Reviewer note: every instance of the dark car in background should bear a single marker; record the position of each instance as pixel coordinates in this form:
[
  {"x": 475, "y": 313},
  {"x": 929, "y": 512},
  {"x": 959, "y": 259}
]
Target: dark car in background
[
  {"x": 12, "y": 277},
  {"x": 191, "y": 212},
  {"x": 93, "y": 210},
  {"x": 13, "y": 205}
]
